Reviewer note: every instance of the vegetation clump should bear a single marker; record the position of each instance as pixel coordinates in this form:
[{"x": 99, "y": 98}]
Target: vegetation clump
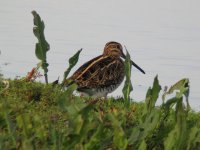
[{"x": 38, "y": 116}]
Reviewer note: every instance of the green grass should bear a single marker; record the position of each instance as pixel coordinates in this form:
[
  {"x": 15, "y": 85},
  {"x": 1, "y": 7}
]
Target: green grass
[{"x": 38, "y": 116}]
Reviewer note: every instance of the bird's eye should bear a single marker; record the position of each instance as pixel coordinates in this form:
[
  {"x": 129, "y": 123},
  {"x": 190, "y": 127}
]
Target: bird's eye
[{"x": 118, "y": 47}]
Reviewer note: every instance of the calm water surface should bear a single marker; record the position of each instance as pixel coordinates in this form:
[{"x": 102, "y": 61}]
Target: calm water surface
[{"x": 163, "y": 37}]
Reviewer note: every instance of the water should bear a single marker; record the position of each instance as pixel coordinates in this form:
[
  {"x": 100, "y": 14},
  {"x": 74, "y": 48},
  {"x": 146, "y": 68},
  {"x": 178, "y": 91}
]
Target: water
[{"x": 163, "y": 37}]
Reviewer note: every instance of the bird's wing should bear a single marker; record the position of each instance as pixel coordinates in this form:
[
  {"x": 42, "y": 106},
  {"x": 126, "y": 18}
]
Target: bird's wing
[{"x": 101, "y": 71}]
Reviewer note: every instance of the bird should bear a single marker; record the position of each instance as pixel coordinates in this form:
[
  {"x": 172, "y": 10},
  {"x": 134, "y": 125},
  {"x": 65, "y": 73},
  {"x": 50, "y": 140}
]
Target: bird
[{"x": 102, "y": 74}]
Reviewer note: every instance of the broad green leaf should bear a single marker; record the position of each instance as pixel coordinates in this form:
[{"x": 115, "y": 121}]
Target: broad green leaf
[
  {"x": 127, "y": 85},
  {"x": 145, "y": 128},
  {"x": 194, "y": 138},
  {"x": 11, "y": 126},
  {"x": 95, "y": 138},
  {"x": 171, "y": 102},
  {"x": 143, "y": 146},
  {"x": 177, "y": 137},
  {"x": 81, "y": 123},
  {"x": 180, "y": 85},
  {"x": 66, "y": 97},
  {"x": 182, "y": 88},
  {"x": 119, "y": 139},
  {"x": 72, "y": 62},
  {"x": 181, "y": 115},
  {"x": 77, "y": 124},
  {"x": 152, "y": 95},
  {"x": 42, "y": 46}
]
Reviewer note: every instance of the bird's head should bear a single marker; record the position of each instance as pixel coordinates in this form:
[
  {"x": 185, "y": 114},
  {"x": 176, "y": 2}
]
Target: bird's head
[{"x": 115, "y": 49}]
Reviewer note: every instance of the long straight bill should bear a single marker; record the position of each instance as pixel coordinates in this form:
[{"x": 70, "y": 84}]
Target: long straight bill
[{"x": 136, "y": 66}]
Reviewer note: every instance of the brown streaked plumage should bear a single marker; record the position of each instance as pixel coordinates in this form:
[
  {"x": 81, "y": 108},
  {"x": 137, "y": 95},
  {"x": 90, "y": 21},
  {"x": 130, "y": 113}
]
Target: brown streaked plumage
[{"x": 103, "y": 74}]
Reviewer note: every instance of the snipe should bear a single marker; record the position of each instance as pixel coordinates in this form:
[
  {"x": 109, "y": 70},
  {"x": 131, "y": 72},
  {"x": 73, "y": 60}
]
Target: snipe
[{"x": 104, "y": 73}]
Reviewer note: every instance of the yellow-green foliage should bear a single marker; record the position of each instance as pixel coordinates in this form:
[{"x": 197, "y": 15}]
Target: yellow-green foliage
[{"x": 38, "y": 116}]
